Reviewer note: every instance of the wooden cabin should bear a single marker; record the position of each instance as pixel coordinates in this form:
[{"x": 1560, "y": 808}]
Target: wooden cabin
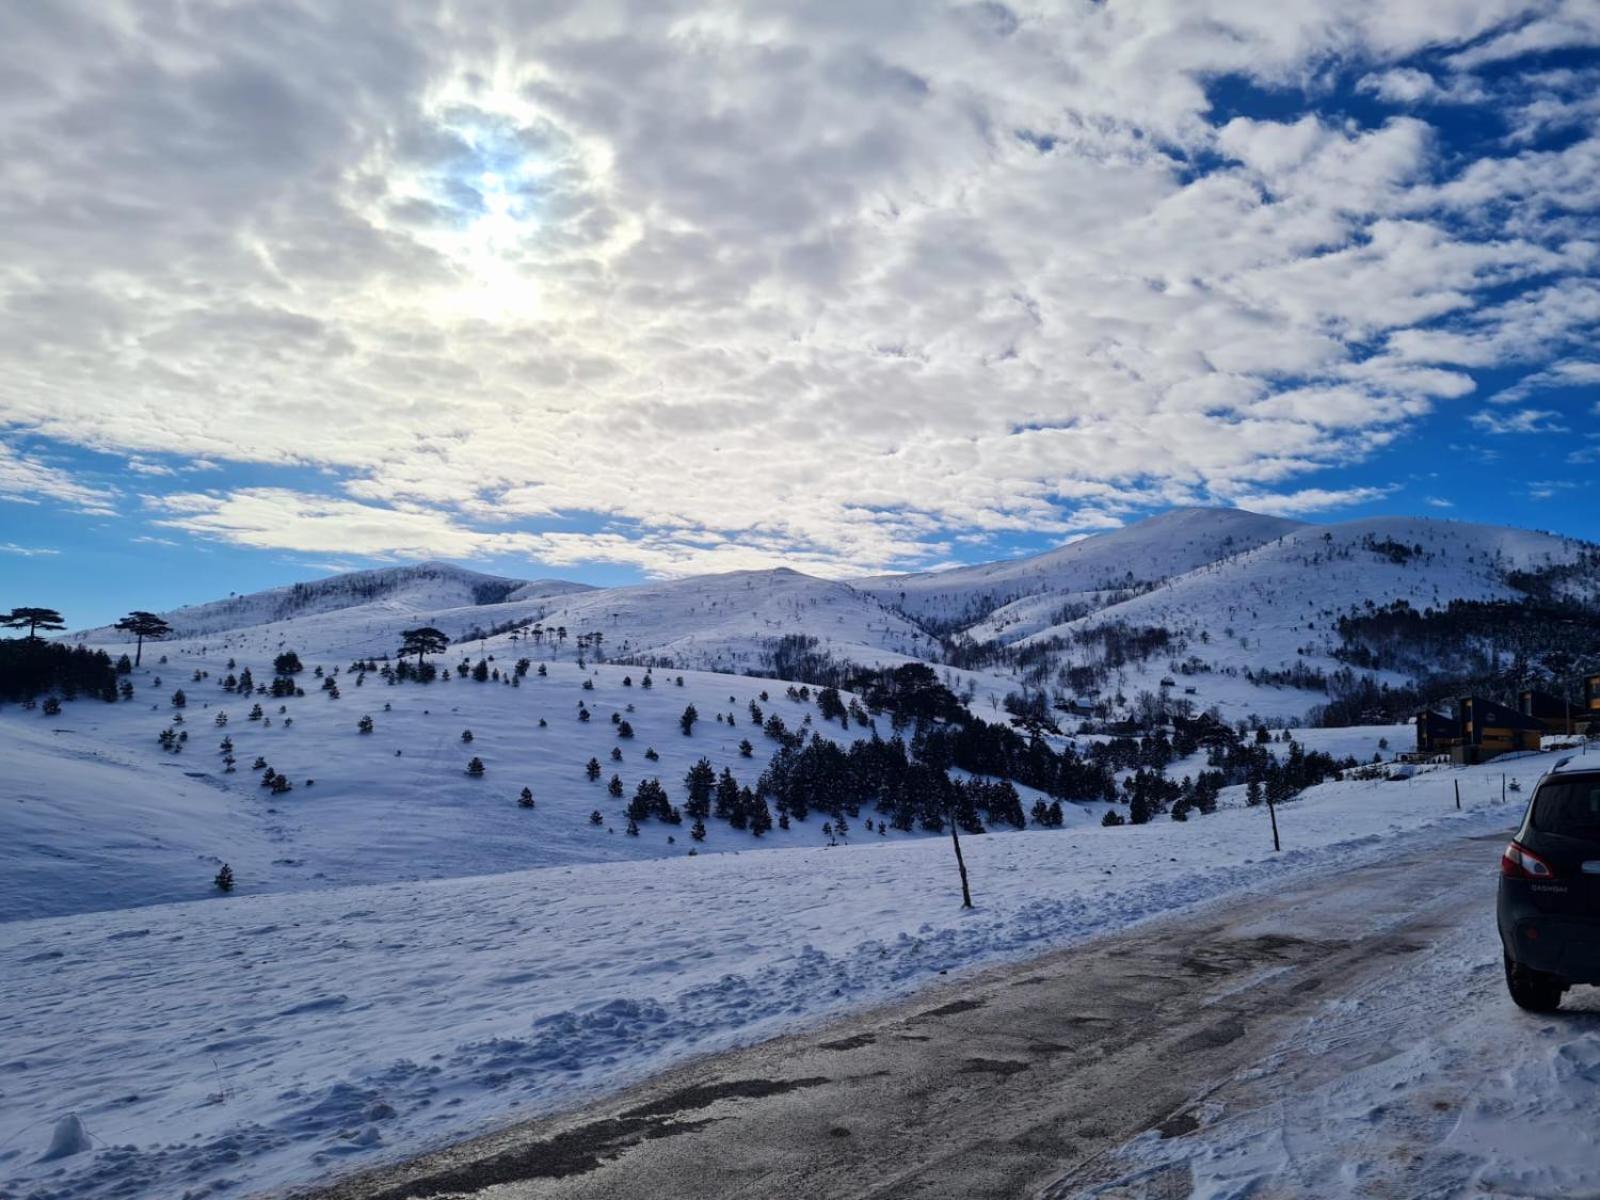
[
  {"x": 1556, "y": 713},
  {"x": 1436, "y": 732},
  {"x": 1591, "y": 693},
  {"x": 1488, "y": 729}
]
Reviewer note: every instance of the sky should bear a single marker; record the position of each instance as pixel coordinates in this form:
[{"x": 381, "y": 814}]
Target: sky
[{"x": 610, "y": 291}]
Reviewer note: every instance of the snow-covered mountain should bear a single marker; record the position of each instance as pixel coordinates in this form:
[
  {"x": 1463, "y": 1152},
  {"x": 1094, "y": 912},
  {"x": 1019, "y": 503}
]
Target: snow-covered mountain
[
  {"x": 1240, "y": 594},
  {"x": 1147, "y": 552},
  {"x": 400, "y": 592}
]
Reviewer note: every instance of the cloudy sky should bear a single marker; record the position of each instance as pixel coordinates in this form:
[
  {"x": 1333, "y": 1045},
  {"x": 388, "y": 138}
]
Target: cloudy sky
[{"x": 615, "y": 290}]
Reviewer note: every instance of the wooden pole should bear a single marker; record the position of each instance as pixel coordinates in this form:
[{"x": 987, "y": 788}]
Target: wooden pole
[
  {"x": 1458, "y": 793},
  {"x": 1272, "y": 812},
  {"x": 1502, "y": 787},
  {"x": 961, "y": 864}
]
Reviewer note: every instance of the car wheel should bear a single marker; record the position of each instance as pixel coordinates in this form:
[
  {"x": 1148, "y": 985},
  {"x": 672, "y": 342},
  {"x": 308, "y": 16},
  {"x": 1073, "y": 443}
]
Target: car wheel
[{"x": 1532, "y": 990}]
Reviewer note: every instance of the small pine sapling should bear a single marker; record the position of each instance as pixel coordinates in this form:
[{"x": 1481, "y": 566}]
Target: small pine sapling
[{"x": 224, "y": 879}]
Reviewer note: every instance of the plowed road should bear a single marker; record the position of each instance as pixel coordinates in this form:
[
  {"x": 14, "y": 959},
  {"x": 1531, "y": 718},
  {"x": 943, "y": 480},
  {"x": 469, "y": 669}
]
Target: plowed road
[{"x": 1012, "y": 1082}]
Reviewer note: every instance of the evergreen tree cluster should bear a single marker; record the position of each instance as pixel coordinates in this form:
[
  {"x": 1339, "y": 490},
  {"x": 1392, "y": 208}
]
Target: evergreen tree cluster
[{"x": 30, "y": 668}]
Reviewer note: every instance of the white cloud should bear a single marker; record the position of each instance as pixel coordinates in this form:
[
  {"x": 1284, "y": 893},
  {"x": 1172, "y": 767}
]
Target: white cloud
[
  {"x": 24, "y": 479},
  {"x": 1523, "y": 420},
  {"x": 1569, "y": 373},
  {"x": 27, "y": 551},
  {"x": 837, "y": 285},
  {"x": 1310, "y": 500}
]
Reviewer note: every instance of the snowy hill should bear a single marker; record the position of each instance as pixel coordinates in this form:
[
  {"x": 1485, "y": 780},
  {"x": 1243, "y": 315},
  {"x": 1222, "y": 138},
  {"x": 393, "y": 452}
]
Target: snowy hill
[
  {"x": 1275, "y": 608},
  {"x": 1152, "y": 550},
  {"x": 722, "y": 622},
  {"x": 425, "y": 587}
]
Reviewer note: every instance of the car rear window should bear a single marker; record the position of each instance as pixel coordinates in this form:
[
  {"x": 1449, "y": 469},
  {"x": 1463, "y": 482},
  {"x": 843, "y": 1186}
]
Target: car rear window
[{"x": 1569, "y": 806}]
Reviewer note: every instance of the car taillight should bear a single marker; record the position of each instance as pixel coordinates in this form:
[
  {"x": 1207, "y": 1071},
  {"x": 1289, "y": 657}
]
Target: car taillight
[{"x": 1520, "y": 863}]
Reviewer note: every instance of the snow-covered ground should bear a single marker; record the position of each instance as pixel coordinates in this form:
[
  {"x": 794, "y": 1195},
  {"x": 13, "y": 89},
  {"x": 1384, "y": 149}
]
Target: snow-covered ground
[
  {"x": 264, "y": 1039},
  {"x": 1426, "y": 1083},
  {"x": 96, "y": 815}
]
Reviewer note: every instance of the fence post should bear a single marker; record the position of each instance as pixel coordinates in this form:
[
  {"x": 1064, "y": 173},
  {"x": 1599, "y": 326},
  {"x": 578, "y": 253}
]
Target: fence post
[
  {"x": 1272, "y": 812},
  {"x": 1458, "y": 793}
]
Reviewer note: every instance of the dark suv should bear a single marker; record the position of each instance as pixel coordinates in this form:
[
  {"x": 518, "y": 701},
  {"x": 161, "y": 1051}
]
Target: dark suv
[{"x": 1550, "y": 889}]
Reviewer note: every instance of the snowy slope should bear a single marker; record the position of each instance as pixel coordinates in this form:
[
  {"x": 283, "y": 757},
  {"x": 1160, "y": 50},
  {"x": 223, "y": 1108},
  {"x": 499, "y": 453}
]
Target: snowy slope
[
  {"x": 1286, "y": 594},
  {"x": 721, "y": 622},
  {"x": 1277, "y": 605},
  {"x": 1153, "y": 549},
  {"x": 97, "y": 815},
  {"x": 279, "y": 1038},
  {"x": 422, "y": 588}
]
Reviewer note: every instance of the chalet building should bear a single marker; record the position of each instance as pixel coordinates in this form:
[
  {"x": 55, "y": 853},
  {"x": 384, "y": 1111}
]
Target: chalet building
[
  {"x": 1487, "y": 729},
  {"x": 1556, "y": 713},
  {"x": 1591, "y": 693},
  {"x": 1436, "y": 732}
]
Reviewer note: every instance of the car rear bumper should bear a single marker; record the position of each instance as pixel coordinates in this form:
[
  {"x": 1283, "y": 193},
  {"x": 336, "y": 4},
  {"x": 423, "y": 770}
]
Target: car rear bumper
[{"x": 1567, "y": 947}]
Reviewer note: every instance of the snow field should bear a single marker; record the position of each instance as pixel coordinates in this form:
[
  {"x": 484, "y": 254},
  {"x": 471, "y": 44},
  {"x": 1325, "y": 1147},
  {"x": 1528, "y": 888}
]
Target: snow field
[{"x": 288, "y": 1035}]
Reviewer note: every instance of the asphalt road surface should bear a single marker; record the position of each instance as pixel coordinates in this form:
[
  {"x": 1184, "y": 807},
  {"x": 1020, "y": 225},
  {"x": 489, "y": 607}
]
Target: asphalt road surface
[{"x": 1011, "y": 1082}]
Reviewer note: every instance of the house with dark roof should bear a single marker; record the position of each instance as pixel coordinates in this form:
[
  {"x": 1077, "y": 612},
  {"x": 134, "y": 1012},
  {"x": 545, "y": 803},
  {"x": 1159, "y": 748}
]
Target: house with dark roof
[{"x": 1488, "y": 729}]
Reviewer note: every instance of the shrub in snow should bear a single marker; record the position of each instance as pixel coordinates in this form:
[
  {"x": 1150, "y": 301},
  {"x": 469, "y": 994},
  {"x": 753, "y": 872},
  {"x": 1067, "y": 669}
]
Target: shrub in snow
[
  {"x": 224, "y": 879},
  {"x": 179, "y": 700},
  {"x": 615, "y": 786},
  {"x": 475, "y": 767},
  {"x": 466, "y": 735},
  {"x": 624, "y": 729},
  {"x": 51, "y": 707},
  {"x": 287, "y": 663},
  {"x": 364, "y": 725},
  {"x": 592, "y": 769},
  {"x": 1112, "y": 817},
  {"x": 650, "y": 753},
  {"x": 526, "y": 798}
]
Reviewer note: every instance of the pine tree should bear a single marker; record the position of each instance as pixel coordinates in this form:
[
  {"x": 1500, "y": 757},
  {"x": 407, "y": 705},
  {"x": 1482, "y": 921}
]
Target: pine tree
[
  {"x": 592, "y": 769},
  {"x": 1112, "y": 818},
  {"x": 224, "y": 879},
  {"x": 466, "y": 735},
  {"x": 142, "y": 625},
  {"x": 699, "y": 783},
  {"x": 760, "y": 816},
  {"x": 364, "y": 725},
  {"x": 615, "y": 786},
  {"x": 526, "y": 799},
  {"x": 475, "y": 767},
  {"x": 34, "y": 619},
  {"x": 179, "y": 700},
  {"x": 595, "y": 818},
  {"x": 687, "y": 720},
  {"x": 745, "y": 748},
  {"x": 727, "y": 796}
]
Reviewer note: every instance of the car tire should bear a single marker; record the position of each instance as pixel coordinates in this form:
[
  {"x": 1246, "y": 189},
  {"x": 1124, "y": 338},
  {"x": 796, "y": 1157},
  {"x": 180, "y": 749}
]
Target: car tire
[{"x": 1533, "y": 991}]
